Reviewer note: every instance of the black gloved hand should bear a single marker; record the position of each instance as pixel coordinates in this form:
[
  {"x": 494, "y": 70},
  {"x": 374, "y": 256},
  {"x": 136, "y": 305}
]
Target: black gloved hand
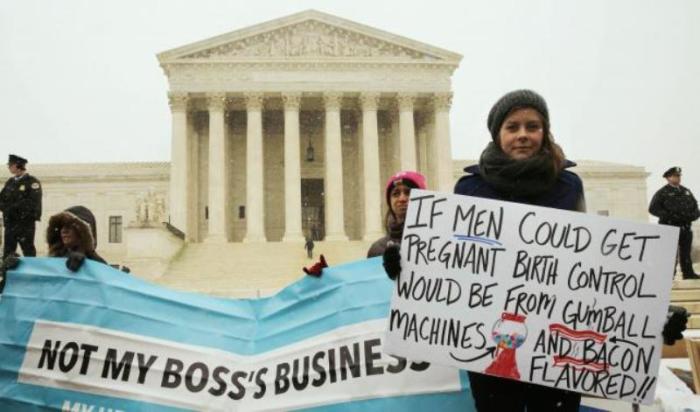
[
  {"x": 75, "y": 261},
  {"x": 10, "y": 262},
  {"x": 392, "y": 261},
  {"x": 676, "y": 323}
]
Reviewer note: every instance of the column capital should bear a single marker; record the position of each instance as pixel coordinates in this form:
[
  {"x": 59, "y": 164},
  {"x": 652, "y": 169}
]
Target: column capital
[
  {"x": 216, "y": 101},
  {"x": 292, "y": 101},
  {"x": 254, "y": 100},
  {"x": 177, "y": 101},
  {"x": 442, "y": 101},
  {"x": 369, "y": 100},
  {"x": 405, "y": 101},
  {"x": 332, "y": 100}
]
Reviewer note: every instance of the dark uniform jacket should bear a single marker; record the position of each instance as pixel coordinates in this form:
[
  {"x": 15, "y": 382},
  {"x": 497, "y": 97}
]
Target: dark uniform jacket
[
  {"x": 674, "y": 206},
  {"x": 20, "y": 199}
]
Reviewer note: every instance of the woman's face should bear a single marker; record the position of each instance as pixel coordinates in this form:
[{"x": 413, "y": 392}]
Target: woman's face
[
  {"x": 68, "y": 236},
  {"x": 521, "y": 134},
  {"x": 398, "y": 198}
]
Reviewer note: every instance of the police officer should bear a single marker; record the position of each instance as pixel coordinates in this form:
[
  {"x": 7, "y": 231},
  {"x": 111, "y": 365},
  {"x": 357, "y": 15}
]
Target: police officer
[
  {"x": 674, "y": 205},
  {"x": 20, "y": 203}
]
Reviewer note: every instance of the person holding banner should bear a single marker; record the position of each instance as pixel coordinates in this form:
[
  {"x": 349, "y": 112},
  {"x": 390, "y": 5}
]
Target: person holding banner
[
  {"x": 73, "y": 234},
  {"x": 397, "y": 193}
]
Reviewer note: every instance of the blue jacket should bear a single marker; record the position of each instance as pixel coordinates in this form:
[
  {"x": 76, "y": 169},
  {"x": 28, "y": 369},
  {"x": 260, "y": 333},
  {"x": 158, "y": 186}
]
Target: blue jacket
[{"x": 567, "y": 192}]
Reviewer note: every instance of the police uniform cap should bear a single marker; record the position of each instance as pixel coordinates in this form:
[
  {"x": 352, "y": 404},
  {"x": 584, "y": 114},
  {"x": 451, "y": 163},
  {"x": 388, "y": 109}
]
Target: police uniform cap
[
  {"x": 13, "y": 159},
  {"x": 675, "y": 170}
]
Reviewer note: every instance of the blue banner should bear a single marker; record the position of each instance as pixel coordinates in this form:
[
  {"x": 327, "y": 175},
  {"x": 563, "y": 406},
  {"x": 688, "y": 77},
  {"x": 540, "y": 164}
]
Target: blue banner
[{"x": 106, "y": 340}]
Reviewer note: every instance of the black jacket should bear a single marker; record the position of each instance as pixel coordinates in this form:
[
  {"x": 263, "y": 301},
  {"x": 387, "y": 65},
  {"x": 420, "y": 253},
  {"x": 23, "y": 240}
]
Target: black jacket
[
  {"x": 20, "y": 199},
  {"x": 674, "y": 206}
]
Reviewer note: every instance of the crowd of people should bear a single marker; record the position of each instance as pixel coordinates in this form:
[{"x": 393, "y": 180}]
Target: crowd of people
[{"x": 521, "y": 163}]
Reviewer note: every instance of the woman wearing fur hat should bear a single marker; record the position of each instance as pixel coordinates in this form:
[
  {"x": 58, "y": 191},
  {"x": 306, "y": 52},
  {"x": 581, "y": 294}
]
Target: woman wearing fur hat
[
  {"x": 397, "y": 192},
  {"x": 72, "y": 234}
]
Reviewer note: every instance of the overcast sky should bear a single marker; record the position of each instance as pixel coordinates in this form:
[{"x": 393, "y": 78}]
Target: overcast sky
[{"x": 80, "y": 82}]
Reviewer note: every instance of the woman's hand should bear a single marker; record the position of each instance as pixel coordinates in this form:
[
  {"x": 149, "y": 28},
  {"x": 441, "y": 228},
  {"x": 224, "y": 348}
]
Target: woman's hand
[
  {"x": 75, "y": 261},
  {"x": 9, "y": 263}
]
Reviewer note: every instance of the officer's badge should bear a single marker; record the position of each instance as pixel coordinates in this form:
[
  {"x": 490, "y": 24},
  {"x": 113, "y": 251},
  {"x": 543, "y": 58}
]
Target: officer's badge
[
  {"x": 35, "y": 185},
  {"x": 21, "y": 188}
]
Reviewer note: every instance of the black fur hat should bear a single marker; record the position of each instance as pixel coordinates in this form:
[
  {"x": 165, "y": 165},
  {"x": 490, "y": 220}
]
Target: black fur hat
[{"x": 82, "y": 220}]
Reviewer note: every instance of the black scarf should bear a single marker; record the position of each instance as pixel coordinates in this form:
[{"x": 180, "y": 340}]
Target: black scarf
[{"x": 517, "y": 178}]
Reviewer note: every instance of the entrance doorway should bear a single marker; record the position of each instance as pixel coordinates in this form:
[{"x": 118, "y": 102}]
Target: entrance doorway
[{"x": 312, "y": 208}]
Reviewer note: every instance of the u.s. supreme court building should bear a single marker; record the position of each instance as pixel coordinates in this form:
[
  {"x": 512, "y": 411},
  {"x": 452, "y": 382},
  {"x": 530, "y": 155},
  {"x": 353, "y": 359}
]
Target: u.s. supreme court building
[{"x": 289, "y": 129}]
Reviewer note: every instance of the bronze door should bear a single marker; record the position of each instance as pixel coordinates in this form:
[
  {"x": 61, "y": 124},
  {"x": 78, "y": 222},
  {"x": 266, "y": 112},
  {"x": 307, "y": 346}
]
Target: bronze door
[{"x": 312, "y": 208}]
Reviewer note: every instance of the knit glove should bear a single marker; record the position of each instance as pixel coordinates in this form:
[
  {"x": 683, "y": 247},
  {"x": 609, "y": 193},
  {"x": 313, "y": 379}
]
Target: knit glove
[
  {"x": 317, "y": 268},
  {"x": 676, "y": 323},
  {"x": 75, "y": 261},
  {"x": 10, "y": 262},
  {"x": 392, "y": 261}
]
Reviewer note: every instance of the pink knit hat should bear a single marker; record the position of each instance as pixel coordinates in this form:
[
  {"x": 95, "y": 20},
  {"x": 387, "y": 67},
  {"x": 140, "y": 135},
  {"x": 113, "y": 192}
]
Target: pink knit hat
[{"x": 409, "y": 178}]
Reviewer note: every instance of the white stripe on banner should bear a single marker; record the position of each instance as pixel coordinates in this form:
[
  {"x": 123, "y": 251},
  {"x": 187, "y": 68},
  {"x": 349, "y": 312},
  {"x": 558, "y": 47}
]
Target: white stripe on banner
[{"x": 342, "y": 365}]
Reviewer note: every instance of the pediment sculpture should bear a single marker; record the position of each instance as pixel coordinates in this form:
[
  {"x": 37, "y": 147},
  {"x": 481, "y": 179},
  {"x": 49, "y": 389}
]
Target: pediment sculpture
[{"x": 311, "y": 39}]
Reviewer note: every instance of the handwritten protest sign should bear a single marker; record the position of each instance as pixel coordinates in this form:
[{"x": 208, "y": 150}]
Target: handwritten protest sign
[{"x": 552, "y": 297}]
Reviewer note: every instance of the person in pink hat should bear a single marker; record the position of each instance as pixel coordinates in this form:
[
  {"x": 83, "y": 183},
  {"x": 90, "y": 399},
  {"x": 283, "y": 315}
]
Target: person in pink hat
[{"x": 397, "y": 192}]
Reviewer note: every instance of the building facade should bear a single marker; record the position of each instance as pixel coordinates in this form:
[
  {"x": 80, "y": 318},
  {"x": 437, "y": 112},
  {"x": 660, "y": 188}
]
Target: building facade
[{"x": 289, "y": 128}]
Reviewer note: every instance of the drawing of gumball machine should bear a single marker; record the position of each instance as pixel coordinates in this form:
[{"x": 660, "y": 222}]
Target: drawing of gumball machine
[{"x": 509, "y": 332}]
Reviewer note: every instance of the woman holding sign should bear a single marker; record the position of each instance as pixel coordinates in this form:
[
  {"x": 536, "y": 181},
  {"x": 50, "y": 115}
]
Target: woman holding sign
[{"x": 523, "y": 164}]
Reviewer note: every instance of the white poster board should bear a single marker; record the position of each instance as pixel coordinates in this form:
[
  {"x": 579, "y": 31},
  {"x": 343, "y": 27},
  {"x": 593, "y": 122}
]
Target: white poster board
[{"x": 557, "y": 298}]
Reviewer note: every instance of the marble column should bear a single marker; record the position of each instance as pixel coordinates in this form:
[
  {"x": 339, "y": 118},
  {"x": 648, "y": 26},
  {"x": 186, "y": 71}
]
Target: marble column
[
  {"x": 335, "y": 223},
  {"x": 292, "y": 169},
  {"x": 255, "y": 205},
  {"x": 407, "y": 133},
  {"x": 370, "y": 167},
  {"x": 217, "y": 168},
  {"x": 442, "y": 147},
  {"x": 179, "y": 167}
]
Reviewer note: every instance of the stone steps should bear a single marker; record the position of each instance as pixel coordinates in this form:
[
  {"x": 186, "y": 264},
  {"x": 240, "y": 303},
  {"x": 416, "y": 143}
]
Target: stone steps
[
  {"x": 686, "y": 293},
  {"x": 250, "y": 269}
]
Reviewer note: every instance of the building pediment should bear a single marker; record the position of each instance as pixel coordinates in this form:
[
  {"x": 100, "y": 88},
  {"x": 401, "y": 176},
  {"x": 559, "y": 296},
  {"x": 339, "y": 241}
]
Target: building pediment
[{"x": 309, "y": 36}]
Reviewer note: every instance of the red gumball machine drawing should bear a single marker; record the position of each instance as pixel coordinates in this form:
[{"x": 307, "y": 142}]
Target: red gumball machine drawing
[{"x": 509, "y": 333}]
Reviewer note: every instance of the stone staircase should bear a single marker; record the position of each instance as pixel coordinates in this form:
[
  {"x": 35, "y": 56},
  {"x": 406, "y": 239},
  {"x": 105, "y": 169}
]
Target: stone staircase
[
  {"x": 686, "y": 293},
  {"x": 246, "y": 270},
  {"x": 249, "y": 269}
]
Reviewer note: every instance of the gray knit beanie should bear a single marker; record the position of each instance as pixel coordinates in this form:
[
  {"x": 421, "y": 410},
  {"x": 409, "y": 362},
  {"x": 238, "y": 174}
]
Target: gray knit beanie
[{"x": 515, "y": 99}]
